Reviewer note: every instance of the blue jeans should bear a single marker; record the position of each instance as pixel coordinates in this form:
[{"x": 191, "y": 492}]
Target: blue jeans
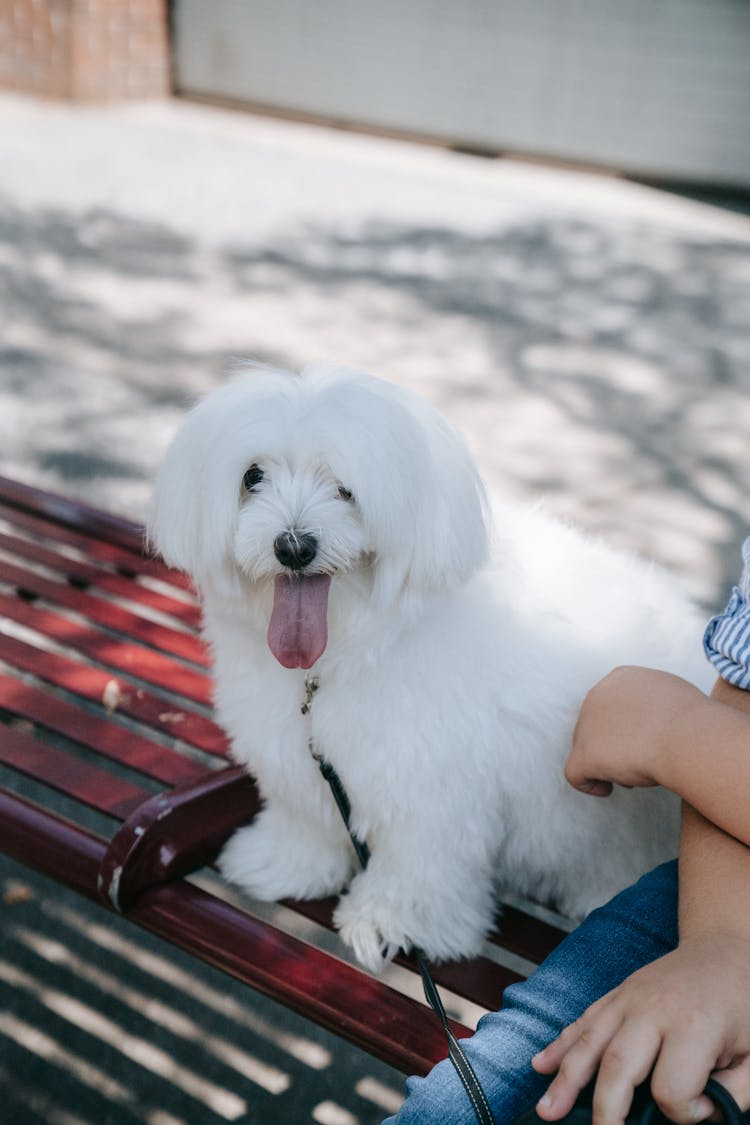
[{"x": 636, "y": 927}]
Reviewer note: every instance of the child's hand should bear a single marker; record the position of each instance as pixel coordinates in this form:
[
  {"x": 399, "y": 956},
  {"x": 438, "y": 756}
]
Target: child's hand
[
  {"x": 627, "y": 724},
  {"x": 685, "y": 1016}
]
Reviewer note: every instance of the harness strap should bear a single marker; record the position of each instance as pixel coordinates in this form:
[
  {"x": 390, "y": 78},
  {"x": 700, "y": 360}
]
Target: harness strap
[
  {"x": 456, "y": 1053},
  {"x": 341, "y": 798}
]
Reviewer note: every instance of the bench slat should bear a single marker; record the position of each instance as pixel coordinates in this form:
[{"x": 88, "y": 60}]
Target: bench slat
[
  {"x": 104, "y": 613},
  {"x": 92, "y": 786},
  {"x": 72, "y": 513},
  {"x": 124, "y": 561},
  {"x": 89, "y": 574},
  {"x": 104, "y": 736},
  {"x": 135, "y": 702},
  {"x": 525, "y": 935},
  {"x": 117, "y": 653},
  {"x": 480, "y": 980}
]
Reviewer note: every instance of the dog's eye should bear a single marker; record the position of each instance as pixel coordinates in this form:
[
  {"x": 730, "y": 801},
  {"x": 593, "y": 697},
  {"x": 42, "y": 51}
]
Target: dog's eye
[
  {"x": 344, "y": 493},
  {"x": 253, "y": 476}
]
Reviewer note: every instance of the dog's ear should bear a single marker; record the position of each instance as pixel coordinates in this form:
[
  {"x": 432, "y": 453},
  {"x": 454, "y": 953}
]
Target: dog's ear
[
  {"x": 451, "y": 539},
  {"x": 194, "y": 506},
  {"x": 440, "y": 537}
]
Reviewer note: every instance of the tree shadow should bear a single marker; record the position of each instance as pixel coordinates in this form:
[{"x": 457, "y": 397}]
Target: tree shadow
[
  {"x": 615, "y": 361},
  {"x": 601, "y": 364}
]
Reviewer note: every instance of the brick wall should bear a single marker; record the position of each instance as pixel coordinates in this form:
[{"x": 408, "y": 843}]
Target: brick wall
[{"x": 89, "y": 50}]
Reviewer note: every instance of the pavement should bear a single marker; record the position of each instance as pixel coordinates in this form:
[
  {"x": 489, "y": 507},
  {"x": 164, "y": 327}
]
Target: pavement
[{"x": 590, "y": 335}]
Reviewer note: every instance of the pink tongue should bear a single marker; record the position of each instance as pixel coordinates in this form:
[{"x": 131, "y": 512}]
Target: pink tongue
[{"x": 298, "y": 630}]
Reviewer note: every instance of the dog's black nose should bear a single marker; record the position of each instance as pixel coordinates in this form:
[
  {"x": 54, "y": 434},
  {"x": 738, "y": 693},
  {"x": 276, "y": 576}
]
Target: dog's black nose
[{"x": 294, "y": 550}]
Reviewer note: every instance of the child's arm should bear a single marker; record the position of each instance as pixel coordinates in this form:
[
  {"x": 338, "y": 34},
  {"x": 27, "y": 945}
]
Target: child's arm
[
  {"x": 687, "y": 1014},
  {"x": 642, "y": 727}
]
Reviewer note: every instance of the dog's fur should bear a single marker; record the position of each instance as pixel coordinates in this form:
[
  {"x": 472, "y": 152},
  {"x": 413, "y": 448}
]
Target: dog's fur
[{"x": 453, "y": 672}]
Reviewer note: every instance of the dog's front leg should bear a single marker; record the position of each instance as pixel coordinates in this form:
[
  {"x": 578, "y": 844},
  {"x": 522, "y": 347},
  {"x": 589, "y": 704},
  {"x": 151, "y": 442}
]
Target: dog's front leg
[
  {"x": 438, "y": 900},
  {"x": 282, "y": 854}
]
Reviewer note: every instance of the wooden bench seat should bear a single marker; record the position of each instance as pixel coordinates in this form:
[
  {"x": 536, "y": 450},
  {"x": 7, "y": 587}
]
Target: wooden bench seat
[{"x": 105, "y": 700}]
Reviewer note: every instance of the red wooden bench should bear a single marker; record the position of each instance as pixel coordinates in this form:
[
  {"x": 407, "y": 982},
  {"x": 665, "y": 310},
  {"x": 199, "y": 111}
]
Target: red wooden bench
[{"x": 101, "y": 667}]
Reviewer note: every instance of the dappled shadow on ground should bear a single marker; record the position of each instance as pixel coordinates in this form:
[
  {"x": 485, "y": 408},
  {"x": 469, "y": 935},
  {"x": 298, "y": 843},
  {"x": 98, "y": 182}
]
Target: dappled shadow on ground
[
  {"x": 593, "y": 361},
  {"x": 602, "y": 365},
  {"x": 101, "y": 1022}
]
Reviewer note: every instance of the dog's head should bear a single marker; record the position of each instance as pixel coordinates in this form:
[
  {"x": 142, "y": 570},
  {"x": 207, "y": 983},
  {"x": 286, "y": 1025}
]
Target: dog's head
[{"x": 294, "y": 480}]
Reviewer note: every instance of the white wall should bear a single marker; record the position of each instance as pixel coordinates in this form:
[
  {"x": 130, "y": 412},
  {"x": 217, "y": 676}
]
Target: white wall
[{"x": 657, "y": 87}]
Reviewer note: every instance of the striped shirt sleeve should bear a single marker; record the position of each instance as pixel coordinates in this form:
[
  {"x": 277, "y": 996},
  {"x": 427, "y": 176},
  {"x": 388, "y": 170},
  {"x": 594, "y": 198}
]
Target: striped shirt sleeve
[{"x": 727, "y": 637}]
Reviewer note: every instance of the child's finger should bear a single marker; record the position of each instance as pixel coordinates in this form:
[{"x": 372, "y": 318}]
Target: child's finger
[
  {"x": 578, "y": 1063},
  {"x": 625, "y": 1064},
  {"x": 737, "y": 1081},
  {"x": 548, "y": 1060},
  {"x": 685, "y": 1062}
]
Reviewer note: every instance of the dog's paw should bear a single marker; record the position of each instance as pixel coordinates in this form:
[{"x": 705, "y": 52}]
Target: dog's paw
[
  {"x": 272, "y": 859},
  {"x": 365, "y": 938},
  {"x": 375, "y": 920}
]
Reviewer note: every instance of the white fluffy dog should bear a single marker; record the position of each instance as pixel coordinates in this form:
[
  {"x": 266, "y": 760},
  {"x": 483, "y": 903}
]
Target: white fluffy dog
[{"x": 335, "y": 523}]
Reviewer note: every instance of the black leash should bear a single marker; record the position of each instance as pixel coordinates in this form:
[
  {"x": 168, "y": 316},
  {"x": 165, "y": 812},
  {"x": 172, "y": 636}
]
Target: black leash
[
  {"x": 650, "y": 1114},
  {"x": 731, "y": 1114},
  {"x": 456, "y": 1054}
]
